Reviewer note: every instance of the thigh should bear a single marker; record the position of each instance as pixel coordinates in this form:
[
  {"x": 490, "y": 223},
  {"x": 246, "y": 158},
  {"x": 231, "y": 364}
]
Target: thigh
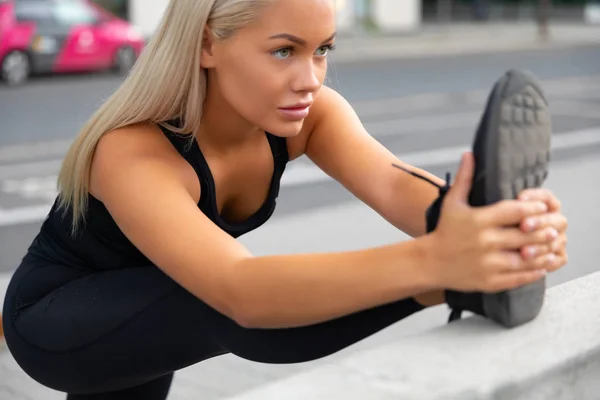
[
  {"x": 106, "y": 331},
  {"x": 308, "y": 343},
  {"x": 157, "y": 389},
  {"x": 118, "y": 329}
]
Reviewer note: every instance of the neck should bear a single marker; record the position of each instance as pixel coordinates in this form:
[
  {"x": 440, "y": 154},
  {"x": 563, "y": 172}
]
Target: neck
[{"x": 222, "y": 128}]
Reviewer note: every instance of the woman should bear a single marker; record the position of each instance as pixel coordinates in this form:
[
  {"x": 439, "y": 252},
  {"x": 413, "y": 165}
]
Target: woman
[{"x": 136, "y": 272}]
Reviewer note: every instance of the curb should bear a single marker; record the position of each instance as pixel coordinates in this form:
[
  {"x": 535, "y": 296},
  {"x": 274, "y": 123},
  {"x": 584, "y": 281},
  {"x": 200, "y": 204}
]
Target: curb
[
  {"x": 419, "y": 50},
  {"x": 554, "y": 357}
]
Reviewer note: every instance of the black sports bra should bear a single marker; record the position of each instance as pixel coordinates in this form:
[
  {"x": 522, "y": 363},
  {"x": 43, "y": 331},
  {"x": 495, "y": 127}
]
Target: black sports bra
[
  {"x": 101, "y": 245},
  {"x": 208, "y": 204}
]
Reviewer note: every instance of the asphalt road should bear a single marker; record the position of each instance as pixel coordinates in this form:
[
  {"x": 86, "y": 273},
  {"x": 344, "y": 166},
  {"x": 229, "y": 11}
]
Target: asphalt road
[
  {"x": 423, "y": 110},
  {"x": 414, "y": 107}
]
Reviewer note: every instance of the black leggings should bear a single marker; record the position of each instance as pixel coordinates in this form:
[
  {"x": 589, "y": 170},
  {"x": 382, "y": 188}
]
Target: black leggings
[{"x": 121, "y": 334}]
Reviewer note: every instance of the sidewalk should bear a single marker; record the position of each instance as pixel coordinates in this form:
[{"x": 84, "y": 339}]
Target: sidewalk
[
  {"x": 352, "y": 226},
  {"x": 461, "y": 39}
]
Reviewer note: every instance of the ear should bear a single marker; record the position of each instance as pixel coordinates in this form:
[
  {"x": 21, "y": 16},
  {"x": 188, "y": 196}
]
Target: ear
[{"x": 207, "y": 59}]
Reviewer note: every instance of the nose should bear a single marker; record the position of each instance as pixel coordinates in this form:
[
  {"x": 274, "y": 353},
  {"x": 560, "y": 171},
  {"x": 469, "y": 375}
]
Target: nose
[{"x": 309, "y": 77}]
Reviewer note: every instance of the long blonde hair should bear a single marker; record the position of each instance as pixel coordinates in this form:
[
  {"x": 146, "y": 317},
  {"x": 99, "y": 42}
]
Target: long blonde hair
[{"x": 166, "y": 82}]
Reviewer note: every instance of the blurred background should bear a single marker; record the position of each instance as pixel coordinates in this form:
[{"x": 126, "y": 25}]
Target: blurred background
[{"x": 416, "y": 71}]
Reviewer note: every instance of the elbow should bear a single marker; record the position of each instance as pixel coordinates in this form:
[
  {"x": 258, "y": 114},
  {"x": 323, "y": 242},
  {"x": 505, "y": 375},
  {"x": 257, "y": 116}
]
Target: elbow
[
  {"x": 245, "y": 319},
  {"x": 241, "y": 308},
  {"x": 246, "y": 315}
]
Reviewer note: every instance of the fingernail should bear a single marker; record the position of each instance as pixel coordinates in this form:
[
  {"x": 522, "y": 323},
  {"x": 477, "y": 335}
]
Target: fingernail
[
  {"x": 553, "y": 233},
  {"x": 531, "y": 224},
  {"x": 551, "y": 258},
  {"x": 531, "y": 252}
]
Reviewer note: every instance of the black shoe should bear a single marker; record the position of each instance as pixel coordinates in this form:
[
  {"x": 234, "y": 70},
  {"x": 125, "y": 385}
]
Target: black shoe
[{"x": 512, "y": 153}]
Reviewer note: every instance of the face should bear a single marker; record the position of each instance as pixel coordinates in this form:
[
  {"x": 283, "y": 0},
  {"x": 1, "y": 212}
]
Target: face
[{"x": 269, "y": 72}]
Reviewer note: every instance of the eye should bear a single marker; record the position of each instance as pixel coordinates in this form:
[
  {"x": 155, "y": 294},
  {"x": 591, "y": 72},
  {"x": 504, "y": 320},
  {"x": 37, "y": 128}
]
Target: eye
[
  {"x": 283, "y": 53},
  {"x": 324, "y": 50}
]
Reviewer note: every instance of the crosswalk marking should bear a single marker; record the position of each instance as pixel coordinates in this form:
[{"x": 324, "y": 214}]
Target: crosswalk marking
[{"x": 42, "y": 187}]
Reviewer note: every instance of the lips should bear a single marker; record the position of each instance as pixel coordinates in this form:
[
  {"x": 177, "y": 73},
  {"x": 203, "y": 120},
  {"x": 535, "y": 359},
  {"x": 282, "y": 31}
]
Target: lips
[
  {"x": 299, "y": 106},
  {"x": 295, "y": 113}
]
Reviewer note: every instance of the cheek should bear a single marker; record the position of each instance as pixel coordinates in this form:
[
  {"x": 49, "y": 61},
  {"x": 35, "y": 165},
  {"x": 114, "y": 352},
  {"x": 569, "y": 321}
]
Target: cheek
[{"x": 251, "y": 91}]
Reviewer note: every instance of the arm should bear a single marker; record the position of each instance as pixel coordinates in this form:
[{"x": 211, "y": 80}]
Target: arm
[
  {"x": 342, "y": 148},
  {"x": 149, "y": 200}
]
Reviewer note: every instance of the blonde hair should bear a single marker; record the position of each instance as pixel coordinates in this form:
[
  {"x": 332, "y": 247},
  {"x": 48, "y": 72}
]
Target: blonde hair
[{"x": 165, "y": 83}]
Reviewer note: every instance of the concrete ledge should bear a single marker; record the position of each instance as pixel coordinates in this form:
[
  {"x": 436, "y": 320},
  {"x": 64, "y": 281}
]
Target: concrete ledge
[{"x": 557, "y": 356}]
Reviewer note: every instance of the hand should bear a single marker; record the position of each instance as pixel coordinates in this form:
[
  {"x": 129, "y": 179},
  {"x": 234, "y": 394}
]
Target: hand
[
  {"x": 556, "y": 252},
  {"x": 479, "y": 248}
]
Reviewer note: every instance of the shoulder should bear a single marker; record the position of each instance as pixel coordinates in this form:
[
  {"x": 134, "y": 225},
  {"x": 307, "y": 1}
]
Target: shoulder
[
  {"x": 133, "y": 140},
  {"x": 141, "y": 149},
  {"x": 328, "y": 102},
  {"x": 329, "y": 106}
]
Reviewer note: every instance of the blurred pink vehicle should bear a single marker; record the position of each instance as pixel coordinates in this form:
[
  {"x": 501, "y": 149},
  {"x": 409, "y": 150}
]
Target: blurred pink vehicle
[{"x": 60, "y": 36}]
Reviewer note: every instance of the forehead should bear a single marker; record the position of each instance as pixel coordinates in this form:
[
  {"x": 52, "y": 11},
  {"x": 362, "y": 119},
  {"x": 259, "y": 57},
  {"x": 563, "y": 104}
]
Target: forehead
[{"x": 310, "y": 19}]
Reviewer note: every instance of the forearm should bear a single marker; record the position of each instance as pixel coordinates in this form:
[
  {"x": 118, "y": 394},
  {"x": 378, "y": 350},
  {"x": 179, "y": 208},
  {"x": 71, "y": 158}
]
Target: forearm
[
  {"x": 408, "y": 198},
  {"x": 298, "y": 290},
  {"x": 407, "y": 213}
]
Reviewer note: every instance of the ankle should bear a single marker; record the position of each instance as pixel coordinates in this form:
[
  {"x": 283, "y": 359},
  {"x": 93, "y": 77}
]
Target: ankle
[{"x": 431, "y": 299}]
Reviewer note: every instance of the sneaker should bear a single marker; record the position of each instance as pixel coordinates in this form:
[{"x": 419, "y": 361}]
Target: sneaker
[{"x": 512, "y": 153}]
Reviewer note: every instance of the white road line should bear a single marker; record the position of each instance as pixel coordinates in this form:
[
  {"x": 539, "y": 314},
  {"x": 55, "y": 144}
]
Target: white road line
[
  {"x": 305, "y": 174},
  {"x": 393, "y": 127},
  {"x": 575, "y": 109},
  {"x": 427, "y": 101},
  {"x": 300, "y": 173},
  {"x": 586, "y": 85},
  {"x": 24, "y": 215},
  {"x": 29, "y": 169},
  {"x": 4, "y": 281},
  {"x": 34, "y": 150},
  {"x": 423, "y": 124}
]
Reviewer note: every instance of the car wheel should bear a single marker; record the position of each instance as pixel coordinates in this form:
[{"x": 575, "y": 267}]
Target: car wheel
[
  {"x": 15, "y": 68},
  {"x": 125, "y": 59}
]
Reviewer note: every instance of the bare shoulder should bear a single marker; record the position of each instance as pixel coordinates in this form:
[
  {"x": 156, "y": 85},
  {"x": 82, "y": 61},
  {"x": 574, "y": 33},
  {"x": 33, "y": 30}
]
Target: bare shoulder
[
  {"x": 328, "y": 104},
  {"x": 142, "y": 143},
  {"x": 144, "y": 184}
]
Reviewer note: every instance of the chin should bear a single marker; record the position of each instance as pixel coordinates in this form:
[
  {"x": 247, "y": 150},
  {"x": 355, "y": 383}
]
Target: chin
[{"x": 285, "y": 129}]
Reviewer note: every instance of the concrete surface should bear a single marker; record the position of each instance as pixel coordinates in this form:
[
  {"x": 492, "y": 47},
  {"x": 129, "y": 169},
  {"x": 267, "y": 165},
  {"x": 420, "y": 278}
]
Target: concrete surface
[
  {"x": 321, "y": 216},
  {"x": 352, "y": 226},
  {"x": 455, "y": 39},
  {"x": 555, "y": 357}
]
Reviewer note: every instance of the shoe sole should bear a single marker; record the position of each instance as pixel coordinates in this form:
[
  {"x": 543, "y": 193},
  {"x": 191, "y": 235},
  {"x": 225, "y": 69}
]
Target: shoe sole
[{"x": 517, "y": 154}]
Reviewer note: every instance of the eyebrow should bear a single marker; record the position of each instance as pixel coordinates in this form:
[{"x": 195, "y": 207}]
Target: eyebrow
[{"x": 297, "y": 40}]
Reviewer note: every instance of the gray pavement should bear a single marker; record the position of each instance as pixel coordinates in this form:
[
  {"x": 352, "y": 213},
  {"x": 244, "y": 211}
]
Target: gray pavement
[
  {"x": 408, "y": 123},
  {"x": 337, "y": 228},
  {"x": 425, "y": 110},
  {"x": 433, "y": 40}
]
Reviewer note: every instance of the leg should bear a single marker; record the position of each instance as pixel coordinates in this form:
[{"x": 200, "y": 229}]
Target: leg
[
  {"x": 157, "y": 389},
  {"x": 296, "y": 345},
  {"x": 118, "y": 329}
]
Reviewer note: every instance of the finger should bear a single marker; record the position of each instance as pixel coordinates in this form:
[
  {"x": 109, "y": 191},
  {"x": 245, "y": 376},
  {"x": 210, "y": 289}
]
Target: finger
[
  {"x": 562, "y": 259},
  {"x": 559, "y": 245},
  {"x": 547, "y": 261},
  {"x": 503, "y": 261},
  {"x": 532, "y": 251},
  {"x": 507, "y": 261},
  {"x": 556, "y": 220},
  {"x": 514, "y": 279},
  {"x": 541, "y": 194},
  {"x": 550, "y": 262},
  {"x": 464, "y": 178},
  {"x": 514, "y": 239},
  {"x": 510, "y": 212}
]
